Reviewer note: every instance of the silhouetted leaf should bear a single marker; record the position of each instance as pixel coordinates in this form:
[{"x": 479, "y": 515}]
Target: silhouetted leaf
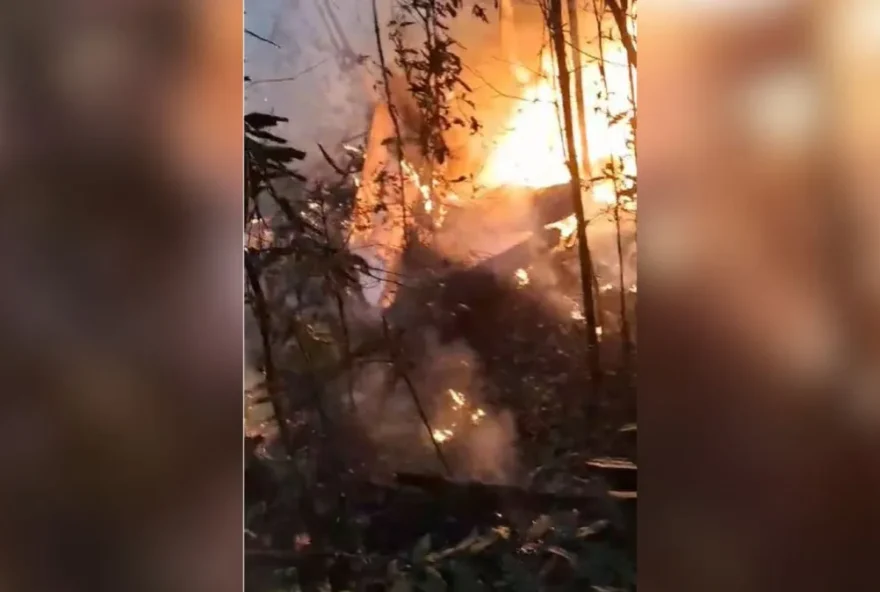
[
  {"x": 260, "y": 120},
  {"x": 422, "y": 548}
]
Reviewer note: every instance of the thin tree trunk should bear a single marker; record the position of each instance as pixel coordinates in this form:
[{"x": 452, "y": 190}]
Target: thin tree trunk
[
  {"x": 261, "y": 312},
  {"x": 618, "y": 11},
  {"x": 401, "y": 373},
  {"x": 579, "y": 87},
  {"x": 346, "y": 342},
  {"x": 562, "y": 127},
  {"x": 586, "y": 261},
  {"x": 337, "y": 292},
  {"x": 577, "y": 61},
  {"x": 398, "y": 138},
  {"x": 626, "y": 347},
  {"x": 436, "y": 96}
]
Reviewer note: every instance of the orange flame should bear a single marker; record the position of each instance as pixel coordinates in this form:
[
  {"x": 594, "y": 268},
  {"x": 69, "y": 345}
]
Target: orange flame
[
  {"x": 532, "y": 152},
  {"x": 460, "y": 405}
]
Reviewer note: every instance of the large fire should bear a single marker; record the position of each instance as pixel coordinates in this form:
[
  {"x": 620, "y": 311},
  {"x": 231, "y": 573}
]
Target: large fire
[
  {"x": 531, "y": 151},
  {"x": 461, "y": 411}
]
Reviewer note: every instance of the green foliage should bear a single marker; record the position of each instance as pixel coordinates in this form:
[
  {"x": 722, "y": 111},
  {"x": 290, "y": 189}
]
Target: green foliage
[
  {"x": 266, "y": 158},
  {"x": 299, "y": 271},
  {"x": 432, "y": 69},
  {"x": 304, "y": 221},
  {"x": 553, "y": 553}
]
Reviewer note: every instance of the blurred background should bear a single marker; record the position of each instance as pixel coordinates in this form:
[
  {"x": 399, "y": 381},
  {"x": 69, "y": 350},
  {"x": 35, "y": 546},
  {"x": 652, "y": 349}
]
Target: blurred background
[
  {"x": 120, "y": 162},
  {"x": 758, "y": 394}
]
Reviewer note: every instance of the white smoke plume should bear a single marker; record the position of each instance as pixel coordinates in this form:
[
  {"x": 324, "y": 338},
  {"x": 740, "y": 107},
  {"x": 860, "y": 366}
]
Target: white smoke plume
[
  {"x": 477, "y": 440},
  {"x": 310, "y": 74}
]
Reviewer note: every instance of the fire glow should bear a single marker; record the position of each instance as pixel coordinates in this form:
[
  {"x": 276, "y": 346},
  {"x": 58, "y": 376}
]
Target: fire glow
[
  {"x": 464, "y": 413},
  {"x": 531, "y": 152},
  {"x": 528, "y": 152}
]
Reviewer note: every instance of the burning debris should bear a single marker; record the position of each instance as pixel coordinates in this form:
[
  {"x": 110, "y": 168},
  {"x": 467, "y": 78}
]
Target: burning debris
[
  {"x": 462, "y": 412},
  {"x": 567, "y": 227},
  {"x": 258, "y": 234},
  {"x": 527, "y": 154},
  {"x": 442, "y": 435}
]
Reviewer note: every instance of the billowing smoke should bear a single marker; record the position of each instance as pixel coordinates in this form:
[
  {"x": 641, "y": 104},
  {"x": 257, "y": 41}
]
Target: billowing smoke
[
  {"x": 317, "y": 65},
  {"x": 309, "y": 72},
  {"x": 477, "y": 439}
]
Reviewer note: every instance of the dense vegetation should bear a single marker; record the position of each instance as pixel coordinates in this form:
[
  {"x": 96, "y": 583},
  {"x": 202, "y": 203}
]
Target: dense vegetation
[{"x": 333, "y": 502}]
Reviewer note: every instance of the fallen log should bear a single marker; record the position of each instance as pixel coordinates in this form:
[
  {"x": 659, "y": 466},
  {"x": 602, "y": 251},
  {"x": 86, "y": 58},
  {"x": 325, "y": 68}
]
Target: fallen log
[
  {"x": 593, "y": 499},
  {"x": 495, "y": 494}
]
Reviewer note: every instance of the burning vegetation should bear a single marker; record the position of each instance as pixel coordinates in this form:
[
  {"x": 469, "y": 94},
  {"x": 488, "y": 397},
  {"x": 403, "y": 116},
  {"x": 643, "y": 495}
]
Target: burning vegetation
[{"x": 442, "y": 333}]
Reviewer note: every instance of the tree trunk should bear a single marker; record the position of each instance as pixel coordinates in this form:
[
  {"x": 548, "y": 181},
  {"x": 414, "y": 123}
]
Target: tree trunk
[
  {"x": 577, "y": 61},
  {"x": 398, "y": 138},
  {"x": 626, "y": 344},
  {"x": 584, "y": 255},
  {"x": 261, "y": 312},
  {"x": 618, "y": 11}
]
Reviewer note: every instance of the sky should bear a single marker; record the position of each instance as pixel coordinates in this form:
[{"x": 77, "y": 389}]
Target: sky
[{"x": 324, "y": 103}]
